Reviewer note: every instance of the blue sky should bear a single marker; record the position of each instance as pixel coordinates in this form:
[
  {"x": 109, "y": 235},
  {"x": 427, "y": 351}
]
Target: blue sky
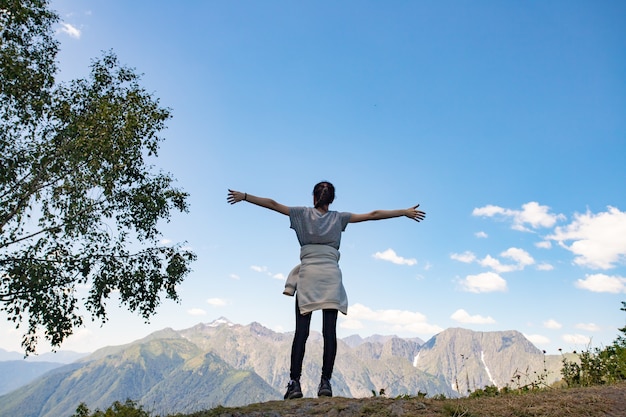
[{"x": 506, "y": 121}]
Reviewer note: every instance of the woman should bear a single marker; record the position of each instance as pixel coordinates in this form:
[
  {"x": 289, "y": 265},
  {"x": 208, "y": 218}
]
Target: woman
[{"x": 317, "y": 280}]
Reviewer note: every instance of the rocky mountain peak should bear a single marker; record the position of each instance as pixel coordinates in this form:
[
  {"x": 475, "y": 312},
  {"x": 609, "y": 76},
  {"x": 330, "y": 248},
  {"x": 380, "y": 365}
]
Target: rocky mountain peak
[{"x": 222, "y": 321}]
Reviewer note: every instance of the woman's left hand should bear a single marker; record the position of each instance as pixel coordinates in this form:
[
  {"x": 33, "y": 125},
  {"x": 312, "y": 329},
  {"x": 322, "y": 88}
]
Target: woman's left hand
[{"x": 235, "y": 196}]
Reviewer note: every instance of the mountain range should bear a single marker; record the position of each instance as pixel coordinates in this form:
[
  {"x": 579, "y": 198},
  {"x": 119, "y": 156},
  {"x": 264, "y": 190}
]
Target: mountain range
[{"x": 222, "y": 363}]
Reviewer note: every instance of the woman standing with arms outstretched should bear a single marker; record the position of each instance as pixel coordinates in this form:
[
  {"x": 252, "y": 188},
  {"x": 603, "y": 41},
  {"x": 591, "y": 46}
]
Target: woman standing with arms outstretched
[{"x": 317, "y": 280}]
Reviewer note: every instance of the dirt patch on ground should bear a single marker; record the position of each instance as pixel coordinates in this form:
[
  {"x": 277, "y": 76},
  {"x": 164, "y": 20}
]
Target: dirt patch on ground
[{"x": 600, "y": 401}]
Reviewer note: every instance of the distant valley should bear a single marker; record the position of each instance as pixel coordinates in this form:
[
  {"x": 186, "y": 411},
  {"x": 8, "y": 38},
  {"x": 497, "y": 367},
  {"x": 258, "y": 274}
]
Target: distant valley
[{"x": 15, "y": 370}]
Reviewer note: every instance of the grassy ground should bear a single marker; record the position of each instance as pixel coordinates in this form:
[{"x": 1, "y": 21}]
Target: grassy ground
[{"x": 600, "y": 401}]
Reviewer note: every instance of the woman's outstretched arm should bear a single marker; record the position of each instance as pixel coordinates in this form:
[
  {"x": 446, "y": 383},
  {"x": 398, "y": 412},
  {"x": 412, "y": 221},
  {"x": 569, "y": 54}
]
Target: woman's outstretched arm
[
  {"x": 411, "y": 213},
  {"x": 237, "y": 196}
]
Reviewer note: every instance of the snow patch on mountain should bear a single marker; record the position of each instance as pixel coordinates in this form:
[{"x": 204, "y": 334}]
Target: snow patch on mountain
[{"x": 482, "y": 359}]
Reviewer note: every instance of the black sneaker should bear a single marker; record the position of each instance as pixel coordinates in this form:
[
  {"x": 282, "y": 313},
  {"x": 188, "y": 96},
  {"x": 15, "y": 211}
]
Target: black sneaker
[
  {"x": 325, "y": 390},
  {"x": 293, "y": 390}
]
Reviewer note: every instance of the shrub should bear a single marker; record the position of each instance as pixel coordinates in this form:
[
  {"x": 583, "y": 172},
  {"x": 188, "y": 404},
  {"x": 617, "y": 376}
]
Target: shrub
[
  {"x": 488, "y": 391},
  {"x": 128, "y": 409},
  {"x": 598, "y": 366}
]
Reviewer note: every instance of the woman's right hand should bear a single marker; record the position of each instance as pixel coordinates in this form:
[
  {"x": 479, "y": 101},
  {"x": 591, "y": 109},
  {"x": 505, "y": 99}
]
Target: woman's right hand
[{"x": 415, "y": 214}]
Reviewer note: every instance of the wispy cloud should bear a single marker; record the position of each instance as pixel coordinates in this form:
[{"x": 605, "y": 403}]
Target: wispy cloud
[
  {"x": 589, "y": 327},
  {"x": 598, "y": 241},
  {"x": 196, "y": 312},
  {"x": 532, "y": 214},
  {"x": 520, "y": 257},
  {"x": 391, "y": 256},
  {"x": 265, "y": 270},
  {"x": 465, "y": 257},
  {"x": 577, "y": 339},
  {"x": 216, "y": 302},
  {"x": 481, "y": 235},
  {"x": 546, "y": 244},
  {"x": 552, "y": 324},
  {"x": 484, "y": 282},
  {"x": 545, "y": 267},
  {"x": 70, "y": 30},
  {"x": 464, "y": 317},
  {"x": 602, "y": 283}
]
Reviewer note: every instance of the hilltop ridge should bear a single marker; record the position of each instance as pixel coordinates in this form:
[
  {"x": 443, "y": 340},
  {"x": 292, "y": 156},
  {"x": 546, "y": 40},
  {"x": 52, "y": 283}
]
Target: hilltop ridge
[{"x": 596, "y": 401}]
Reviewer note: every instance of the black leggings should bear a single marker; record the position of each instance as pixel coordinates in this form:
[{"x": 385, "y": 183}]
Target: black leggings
[{"x": 329, "y": 331}]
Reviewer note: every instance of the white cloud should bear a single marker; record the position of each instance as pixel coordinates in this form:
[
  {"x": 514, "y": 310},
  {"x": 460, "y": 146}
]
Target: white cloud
[
  {"x": 577, "y": 339},
  {"x": 598, "y": 240},
  {"x": 400, "y": 320},
  {"x": 70, "y": 30},
  {"x": 532, "y": 214},
  {"x": 165, "y": 241},
  {"x": 491, "y": 262},
  {"x": 391, "y": 256},
  {"x": 484, "y": 282},
  {"x": 481, "y": 235},
  {"x": 552, "y": 324},
  {"x": 546, "y": 244},
  {"x": 418, "y": 328},
  {"x": 537, "y": 216},
  {"x": 216, "y": 302},
  {"x": 265, "y": 270},
  {"x": 537, "y": 339},
  {"x": 490, "y": 211},
  {"x": 589, "y": 327},
  {"x": 234, "y": 276},
  {"x": 544, "y": 267},
  {"x": 465, "y": 257},
  {"x": 519, "y": 256},
  {"x": 463, "y": 316},
  {"x": 196, "y": 312},
  {"x": 359, "y": 311},
  {"x": 602, "y": 283},
  {"x": 351, "y": 324}
]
